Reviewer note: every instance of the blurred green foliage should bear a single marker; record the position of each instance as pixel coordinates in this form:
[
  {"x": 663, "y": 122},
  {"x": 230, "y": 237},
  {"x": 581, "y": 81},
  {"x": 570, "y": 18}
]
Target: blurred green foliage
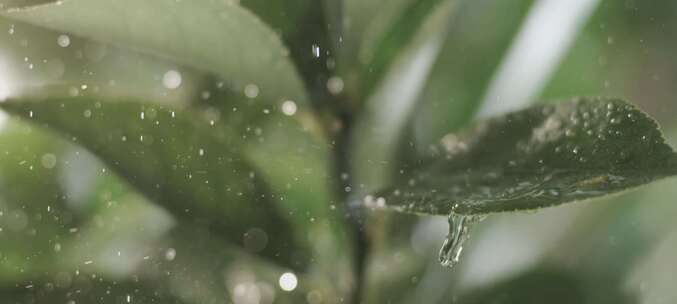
[{"x": 304, "y": 106}]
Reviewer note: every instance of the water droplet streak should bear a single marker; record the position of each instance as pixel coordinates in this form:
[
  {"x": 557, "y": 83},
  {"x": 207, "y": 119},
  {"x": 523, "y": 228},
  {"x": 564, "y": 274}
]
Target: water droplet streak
[{"x": 459, "y": 226}]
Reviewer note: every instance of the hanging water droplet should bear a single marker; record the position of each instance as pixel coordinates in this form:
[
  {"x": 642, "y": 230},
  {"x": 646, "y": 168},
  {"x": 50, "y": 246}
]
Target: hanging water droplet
[{"x": 452, "y": 247}]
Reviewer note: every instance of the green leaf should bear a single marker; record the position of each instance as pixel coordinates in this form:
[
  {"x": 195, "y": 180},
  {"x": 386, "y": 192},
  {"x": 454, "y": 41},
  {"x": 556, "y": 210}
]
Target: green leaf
[
  {"x": 465, "y": 66},
  {"x": 34, "y": 213},
  {"x": 305, "y": 27},
  {"x": 376, "y": 34},
  {"x": 544, "y": 285},
  {"x": 22, "y": 4},
  {"x": 83, "y": 289},
  {"x": 215, "y": 36},
  {"x": 291, "y": 161},
  {"x": 283, "y": 16},
  {"x": 377, "y": 133},
  {"x": 539, "y": 157},
  {"x": 177, "y": 159},
  {"x": 401, "y": 32},
  {"x": 33, "y": 57}
]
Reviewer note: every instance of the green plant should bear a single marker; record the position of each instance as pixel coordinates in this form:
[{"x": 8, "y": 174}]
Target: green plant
[{"x": 300, "y": 133}]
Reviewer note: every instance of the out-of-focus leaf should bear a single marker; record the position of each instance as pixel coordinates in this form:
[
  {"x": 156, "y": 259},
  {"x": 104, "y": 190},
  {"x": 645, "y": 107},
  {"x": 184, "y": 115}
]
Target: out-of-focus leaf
[
  {"x": 365, "y": 22},
  {"x": 378, "y": 131},
  {"x": 653, "y": 277},
  {"x": 542, "y": 286},
  {"x": 198, "y": 268},
  {"x": 32, "y": 57},
  {"x": 401, "y": 32},
  {"x": 212, "y": 35},
  {"x": 284, "y": 16},
  {"x": 190, "y": 263},
  {"x": 535, "y": 54},
  {"x": 625, "y": 53},
  {"x": 462, "y": 71},
  {"x": 32, "y": 211},
  {"x": 291, "y": 161},
  {"x": 22, "y": 4},
  {"x": 304, "y": 26},
  {"x": 55, "y": 248},
  {"x": 294, "y": 161},
  {"x": 539, "y": 157},
  {"x": 177, "y": 159},
  {"x": 375, "y": 36},
  {"x": 85, "y": 289}
]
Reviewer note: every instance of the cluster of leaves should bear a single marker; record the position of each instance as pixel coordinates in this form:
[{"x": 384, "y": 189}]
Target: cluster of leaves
[{"x": 298, "y": 112}]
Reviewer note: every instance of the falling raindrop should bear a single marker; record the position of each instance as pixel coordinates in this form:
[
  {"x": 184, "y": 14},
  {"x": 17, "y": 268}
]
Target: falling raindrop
[
  {"x": 171, "y": 80},
  {"x": 289, "y": 108},
  {"x": 459, "y": 225},
  {"x": 335, "y": 85},
  {"x": 48, "y": 160},
  {"x": 288, "y": 281},
  {"x": 206, "y": 94},
  {"x": 316, "y": 50},
  {"x": 63, "y": 41},
  {"x": 251, "y": 91},
  {"x": 170, "y": 254}
]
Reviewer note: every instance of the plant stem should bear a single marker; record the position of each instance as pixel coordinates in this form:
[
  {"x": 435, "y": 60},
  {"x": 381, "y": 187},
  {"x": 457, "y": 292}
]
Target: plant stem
[{"x": 323, "y": 32}]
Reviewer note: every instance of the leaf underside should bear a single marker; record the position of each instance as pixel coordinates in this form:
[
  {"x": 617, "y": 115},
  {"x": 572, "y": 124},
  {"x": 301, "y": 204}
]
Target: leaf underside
[{"x": 543, "y": 156}]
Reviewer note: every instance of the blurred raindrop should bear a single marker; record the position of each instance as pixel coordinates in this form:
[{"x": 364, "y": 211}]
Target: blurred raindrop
[
  {"x": 288, "y": 281},
  {"x": 171, "y": 79}
]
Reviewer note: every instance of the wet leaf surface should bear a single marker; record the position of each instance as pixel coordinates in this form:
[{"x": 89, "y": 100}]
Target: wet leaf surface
[{"x": 535, "y": 158}]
